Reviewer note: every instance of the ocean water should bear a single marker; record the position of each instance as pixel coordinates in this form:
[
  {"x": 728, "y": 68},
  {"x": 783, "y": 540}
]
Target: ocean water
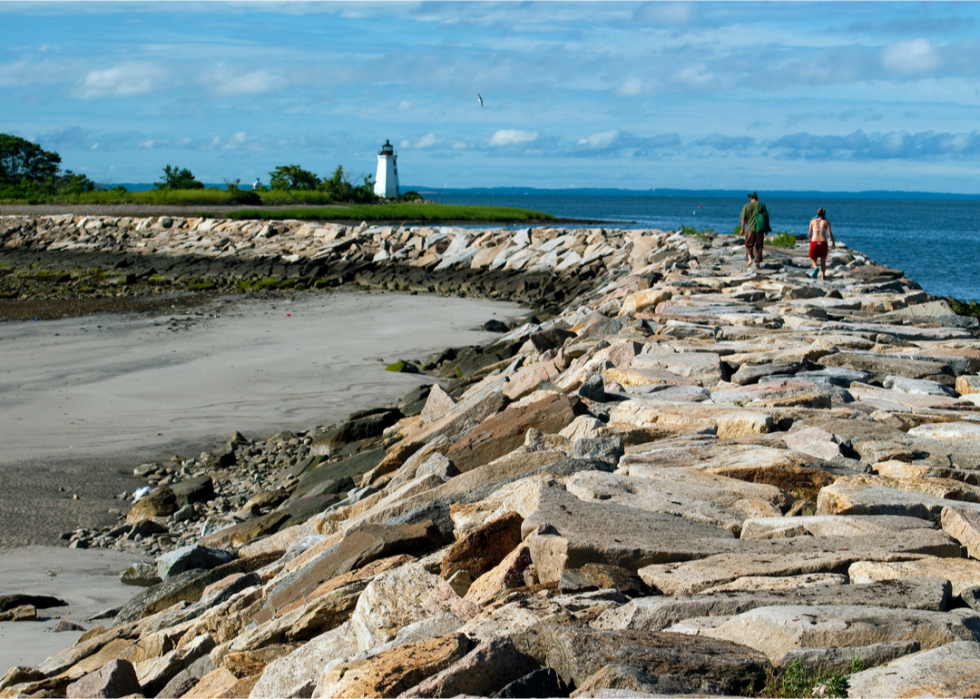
[{"x": 936, "y": 243}]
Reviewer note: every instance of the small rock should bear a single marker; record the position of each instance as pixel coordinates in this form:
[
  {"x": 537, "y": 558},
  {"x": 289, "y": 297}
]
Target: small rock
[
  {"x": 191, "y": 557},
  {"x": 67, "y": 626},
  {"x": 25, "y": 612},
  {"x": 140, "y": 575}
]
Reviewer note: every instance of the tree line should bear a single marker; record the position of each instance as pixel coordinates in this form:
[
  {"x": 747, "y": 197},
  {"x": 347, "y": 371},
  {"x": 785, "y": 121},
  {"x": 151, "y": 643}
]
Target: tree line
[{"x": 28, "y": 170}]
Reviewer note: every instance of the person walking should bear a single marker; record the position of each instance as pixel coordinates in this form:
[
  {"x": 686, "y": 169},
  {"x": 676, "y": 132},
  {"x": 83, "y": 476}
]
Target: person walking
[
  {"x": 755, "y": 225},
  {"x": 819, "y": 230}
]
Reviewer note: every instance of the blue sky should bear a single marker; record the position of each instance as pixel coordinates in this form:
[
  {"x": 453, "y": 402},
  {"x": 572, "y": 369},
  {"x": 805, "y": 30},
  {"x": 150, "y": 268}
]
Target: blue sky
[{"x": 822, "y": 96}]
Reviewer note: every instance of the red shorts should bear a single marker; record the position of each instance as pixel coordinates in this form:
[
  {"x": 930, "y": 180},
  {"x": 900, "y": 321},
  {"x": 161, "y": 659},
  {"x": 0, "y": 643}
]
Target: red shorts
[{"x": 818, "y": 250}]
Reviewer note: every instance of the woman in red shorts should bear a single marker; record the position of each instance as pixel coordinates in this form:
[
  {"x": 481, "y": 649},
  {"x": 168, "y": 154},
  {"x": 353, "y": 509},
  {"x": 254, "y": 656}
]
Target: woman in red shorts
[{"x": 819, "y": 230}]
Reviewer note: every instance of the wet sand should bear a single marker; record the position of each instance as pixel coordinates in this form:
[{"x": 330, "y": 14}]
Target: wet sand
[
  {"x": 109, "y": 384},
  {"x": 86, "y": 399},
  {"x": 87, "y": 580}
]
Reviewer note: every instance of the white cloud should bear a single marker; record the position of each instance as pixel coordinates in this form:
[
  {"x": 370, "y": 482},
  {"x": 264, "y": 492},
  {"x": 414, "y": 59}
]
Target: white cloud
[
  {"x": 510, "y": 137},
  {"x": 696, "y": 76},
  {"x": 630, "y": 87},
  {"x": 25, "y": 73},
  {"x": 666, "y": 12},
  {"x": 599, "y": 140},
  {"x": 235, "y": 141},
  {"x": 459, "y": 145},
  {"x": 428, "y": 140},
  {"x": 126, "y": 80},
  {"x": 911, "y": 57},
  {"x": 227, "y": 83}
]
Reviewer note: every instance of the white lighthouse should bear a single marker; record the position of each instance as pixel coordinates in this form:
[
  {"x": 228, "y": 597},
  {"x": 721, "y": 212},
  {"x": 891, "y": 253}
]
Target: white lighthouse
[{"x": 386, "y": 183}]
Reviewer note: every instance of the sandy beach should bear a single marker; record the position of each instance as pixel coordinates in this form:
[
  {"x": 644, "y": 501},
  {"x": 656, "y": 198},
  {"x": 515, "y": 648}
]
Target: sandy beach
[
  {"x": 111, "y": 384},
  {"x": 87, "y": 580},
  {"x": 89, "y": 398}
]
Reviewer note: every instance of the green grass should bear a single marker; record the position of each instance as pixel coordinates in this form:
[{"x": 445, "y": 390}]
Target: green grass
[
  {"x": 705, "y": 235},
  {"x": 782, "y": 239},
  {"x": 797, "y": 680},
  {"x": 400, "y": 212},
  {"x": 175, "y": 197},
  {"x": 357, "y": 212}
]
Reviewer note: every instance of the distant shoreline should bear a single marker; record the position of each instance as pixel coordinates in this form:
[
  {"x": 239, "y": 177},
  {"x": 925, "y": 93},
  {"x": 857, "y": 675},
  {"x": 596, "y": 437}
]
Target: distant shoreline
[
  {"x": 877, "y": 194},
  {"x": 886, "y": 195}
]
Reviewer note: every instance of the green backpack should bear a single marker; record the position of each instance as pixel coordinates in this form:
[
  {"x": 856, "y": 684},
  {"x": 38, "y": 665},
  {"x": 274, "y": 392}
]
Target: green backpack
[{"x": 762, "y": 220}]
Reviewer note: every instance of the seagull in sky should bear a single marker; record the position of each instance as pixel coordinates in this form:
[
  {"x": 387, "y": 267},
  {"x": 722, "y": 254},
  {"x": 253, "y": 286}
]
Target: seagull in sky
[{"x": 479, "y": 98}]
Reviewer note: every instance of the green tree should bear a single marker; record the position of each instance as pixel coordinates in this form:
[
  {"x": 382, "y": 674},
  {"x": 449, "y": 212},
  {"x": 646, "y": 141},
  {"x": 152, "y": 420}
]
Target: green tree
[
  {"x": 23, "y": 162},
  {"x": 70, "y": 183},
  {"x": 341, "y": 188},
  {"x": 177, "y": 178},
  {"x": 292, "y": 177}
]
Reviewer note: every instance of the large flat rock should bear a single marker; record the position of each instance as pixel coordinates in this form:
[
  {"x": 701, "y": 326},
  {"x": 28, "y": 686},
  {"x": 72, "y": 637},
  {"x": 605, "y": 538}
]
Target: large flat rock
[
  {"x": 358, "y": 548},
  {"x": 302, "y": 667},
  {"x": 665, "y": 663},
  {"x": 881, "y": 367},
  {"x": 689, "y": 493},
  {"x": 828, "y": 525},
  {"x": 782, "y": 392},
  {"x": 392, "y": 672},
  {"x": 775, "y": 630},
  {"x": 658, "y": 613},
  {"x": 796, "y": 556},
  {"x": 401, "y": 597},
  {"x": 962, "y": 573},
  {"x": 877, "y": 495},
  {"x": 503, "y": 432},
  {"x": 725, "y": 421},
  {"x": 566, "y": 532},
  {"x": 948, "y": 671}
]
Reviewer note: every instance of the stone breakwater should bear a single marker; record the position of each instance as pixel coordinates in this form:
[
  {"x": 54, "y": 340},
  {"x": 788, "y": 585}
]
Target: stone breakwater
[
  {"x": 543, "y": 268},
  {"x": 684, "y": 480}
]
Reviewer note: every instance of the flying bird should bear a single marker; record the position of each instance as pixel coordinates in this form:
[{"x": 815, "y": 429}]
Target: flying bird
[{"x": 479, "y": 98}]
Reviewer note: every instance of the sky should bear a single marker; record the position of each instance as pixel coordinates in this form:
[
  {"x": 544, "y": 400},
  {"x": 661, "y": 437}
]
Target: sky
[{"x": 789, "y": 96}]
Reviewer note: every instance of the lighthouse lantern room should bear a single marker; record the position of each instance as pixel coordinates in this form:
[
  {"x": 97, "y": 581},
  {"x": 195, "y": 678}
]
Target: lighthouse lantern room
[{"x": 386, "y": 183}]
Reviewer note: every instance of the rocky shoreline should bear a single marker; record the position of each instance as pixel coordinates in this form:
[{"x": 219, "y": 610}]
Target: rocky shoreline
[{"x": 678, "y": 477}]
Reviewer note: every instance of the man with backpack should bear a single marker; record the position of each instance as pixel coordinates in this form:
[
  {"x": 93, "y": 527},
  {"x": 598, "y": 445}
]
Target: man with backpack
[{"x": 755, "y": 225}]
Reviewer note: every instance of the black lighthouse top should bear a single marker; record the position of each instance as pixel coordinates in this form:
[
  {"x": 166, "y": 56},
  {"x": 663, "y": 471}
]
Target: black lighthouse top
[{"x": 387, "y": 149}]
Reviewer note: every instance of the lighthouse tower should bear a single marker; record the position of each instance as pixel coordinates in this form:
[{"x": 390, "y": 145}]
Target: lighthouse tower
[{"x": 386, "y": 183}]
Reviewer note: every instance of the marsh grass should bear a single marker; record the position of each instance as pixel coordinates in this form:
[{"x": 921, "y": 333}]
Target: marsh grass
[
  {"x": 398, "y": 211},
  {"x": 179, "y": 197},
  {"x": 401, "y": 212}
]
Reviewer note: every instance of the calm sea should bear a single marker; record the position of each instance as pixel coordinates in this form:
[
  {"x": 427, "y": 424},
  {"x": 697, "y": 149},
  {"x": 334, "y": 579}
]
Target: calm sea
[{"x": 936, "y": 243}]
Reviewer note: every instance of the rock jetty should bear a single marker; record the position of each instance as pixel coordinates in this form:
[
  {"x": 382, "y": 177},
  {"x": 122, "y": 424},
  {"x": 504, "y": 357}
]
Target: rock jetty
[{"x": 678, "y": 477}]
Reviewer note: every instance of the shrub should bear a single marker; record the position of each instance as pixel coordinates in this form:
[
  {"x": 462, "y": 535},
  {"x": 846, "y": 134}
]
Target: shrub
[
  {"x": 705, "y": 235},
  {"x": 782, "y": 239},
  {"x": 964, "y": 308},
  {"x": 177, "y": 178},
  {"x": 292, "y": 177},
  {"x": 237, "y": 195}
]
